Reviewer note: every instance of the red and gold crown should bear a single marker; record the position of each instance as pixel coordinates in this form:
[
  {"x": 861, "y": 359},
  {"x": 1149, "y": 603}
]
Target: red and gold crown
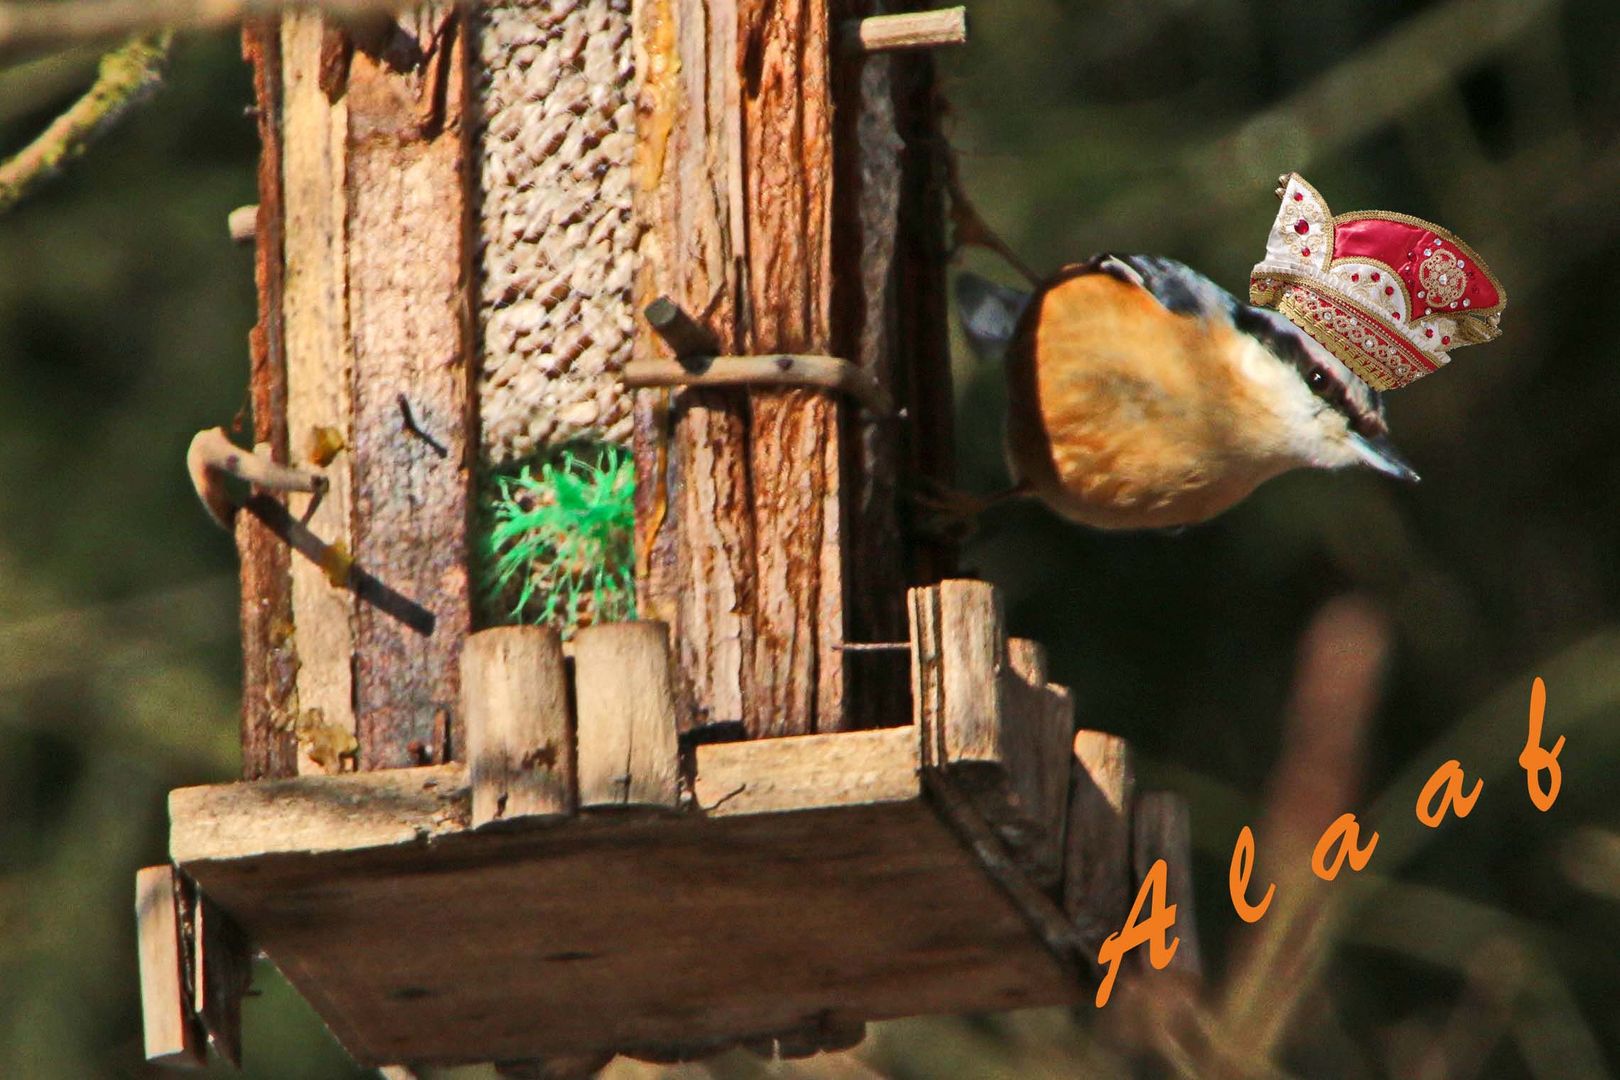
[{"x": 1386, "y": 293}]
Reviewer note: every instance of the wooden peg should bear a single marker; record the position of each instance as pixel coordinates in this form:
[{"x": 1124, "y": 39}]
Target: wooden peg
[
  {"x": 973, "y": 653},
  {"x": 692, "y": 343},
  {"x": 771, "y": 370},
  {"x": 243, "y": 223},
  {"x": 1096, "y": 861},
  {"x": 628, "y": 755},
  {"x": 173, "y": 1036},
  {"x": 910, "y": 30},
  {"x": 1161, "y": 828},
  {"x": 514, "y": 695}
]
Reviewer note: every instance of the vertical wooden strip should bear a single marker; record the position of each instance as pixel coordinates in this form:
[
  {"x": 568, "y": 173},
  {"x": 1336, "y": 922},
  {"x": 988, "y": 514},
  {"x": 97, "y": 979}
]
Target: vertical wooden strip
[
  {"x": 1161, "y": 827},
  {"x": 1096, "y": 866},
  {"x": 315, "y": 317},
  {"x": 974, "y": 653},
  {"x": 222, "y": 971},
  {"x": 927, "y": 688},
  {"x": 172, "y": 1036},
  {"x": 520, "y": 739},
  {"x": 408, "y": 265},
  {"x": 628, "y": 753},
  {"x": 695, "y": 532},
  {"x": 269, "y": 658},
  {"x": 796, "y": 435}
]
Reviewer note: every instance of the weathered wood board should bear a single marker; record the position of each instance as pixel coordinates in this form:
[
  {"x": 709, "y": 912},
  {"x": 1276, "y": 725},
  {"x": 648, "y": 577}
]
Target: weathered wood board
[{"x": 629, "y": 930}]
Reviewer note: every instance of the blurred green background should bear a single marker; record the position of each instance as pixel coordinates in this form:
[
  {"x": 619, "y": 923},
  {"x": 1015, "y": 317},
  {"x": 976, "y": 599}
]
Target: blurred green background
[{"x": 1489, "y": 947}]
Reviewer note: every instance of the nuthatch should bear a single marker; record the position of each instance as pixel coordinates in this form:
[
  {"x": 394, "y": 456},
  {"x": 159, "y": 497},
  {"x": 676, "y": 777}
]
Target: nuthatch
[{"x": 1141, "y": 395}]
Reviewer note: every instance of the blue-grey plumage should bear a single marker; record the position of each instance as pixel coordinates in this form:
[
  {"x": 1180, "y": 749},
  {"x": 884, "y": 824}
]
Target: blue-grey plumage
[{"x": 1143, "y": 395}]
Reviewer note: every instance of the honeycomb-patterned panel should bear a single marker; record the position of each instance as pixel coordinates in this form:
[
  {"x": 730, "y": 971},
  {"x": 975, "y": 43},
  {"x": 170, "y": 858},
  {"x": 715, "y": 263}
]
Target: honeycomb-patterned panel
[{"x": 557, "y": 227}]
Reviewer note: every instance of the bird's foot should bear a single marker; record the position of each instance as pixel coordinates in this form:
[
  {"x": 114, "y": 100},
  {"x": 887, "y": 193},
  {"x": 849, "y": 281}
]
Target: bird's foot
[{"x": 951, "y": 514}]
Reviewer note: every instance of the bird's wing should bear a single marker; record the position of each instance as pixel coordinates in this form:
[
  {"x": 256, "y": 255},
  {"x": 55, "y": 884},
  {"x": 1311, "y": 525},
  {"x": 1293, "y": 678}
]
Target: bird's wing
[{"x": 989, "y": 314}]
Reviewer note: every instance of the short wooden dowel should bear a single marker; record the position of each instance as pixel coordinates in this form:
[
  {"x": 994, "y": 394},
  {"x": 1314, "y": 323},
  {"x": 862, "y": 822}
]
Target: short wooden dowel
[
  {"x": 625, "y": 701},
  {"x": 782, "y": 369},
  {"x": 514, "y": 690},
  {"x": 911, "y": 30}
]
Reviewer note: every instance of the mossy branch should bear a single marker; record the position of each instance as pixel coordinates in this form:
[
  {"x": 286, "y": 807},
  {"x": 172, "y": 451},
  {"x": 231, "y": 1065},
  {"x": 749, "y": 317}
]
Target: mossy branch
[{"x": 127, "y": 75}]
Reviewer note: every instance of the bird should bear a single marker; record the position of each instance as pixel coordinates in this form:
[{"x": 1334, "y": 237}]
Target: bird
[{"x": 1143, "y": 396}]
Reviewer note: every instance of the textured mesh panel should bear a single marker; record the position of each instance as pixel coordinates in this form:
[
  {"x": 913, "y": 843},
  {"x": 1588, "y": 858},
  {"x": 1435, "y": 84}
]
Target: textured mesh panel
[{"x": 557, "y": 229}]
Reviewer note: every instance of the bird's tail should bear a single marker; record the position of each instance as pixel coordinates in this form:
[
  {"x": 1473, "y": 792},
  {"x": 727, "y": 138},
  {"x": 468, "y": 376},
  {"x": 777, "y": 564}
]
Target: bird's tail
[{"x": 989, "y": 314}]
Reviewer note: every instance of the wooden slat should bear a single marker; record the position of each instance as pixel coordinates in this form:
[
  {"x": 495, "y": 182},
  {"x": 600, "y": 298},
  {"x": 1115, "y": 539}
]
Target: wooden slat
[
  {"x": 222, "y": 971},
  {"x": 1096, "y": 868},
  {"x": 806, "y": 771},
  {"x": 318, "y": 813},
  {"x": 171, "y": 1032},
  {"x": 269, "y": 665},
  {"x": 973, "y": 653},
  {"x": 1161, "y": 828},
  {"x": 669, "y": 925},
  {"x": 409, "y": 258},
  {"x": 520, "y": 736},
  {"x": 314, "y": 309},
  {"x": 628, "y": 753},
  {"x": 927, "y": 683}
]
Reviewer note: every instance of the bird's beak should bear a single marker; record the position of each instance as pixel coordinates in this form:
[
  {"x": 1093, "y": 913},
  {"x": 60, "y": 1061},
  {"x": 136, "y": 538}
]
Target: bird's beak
[{"x": 1378, "y": 454}]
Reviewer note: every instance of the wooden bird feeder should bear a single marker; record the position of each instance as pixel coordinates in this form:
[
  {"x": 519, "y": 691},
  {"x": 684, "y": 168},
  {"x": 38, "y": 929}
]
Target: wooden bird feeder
[{"x": 815, "y": 784}]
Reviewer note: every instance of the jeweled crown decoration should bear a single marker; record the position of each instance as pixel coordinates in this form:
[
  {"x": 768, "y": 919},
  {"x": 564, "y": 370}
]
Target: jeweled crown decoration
[{"x": 1386, "y": 293}]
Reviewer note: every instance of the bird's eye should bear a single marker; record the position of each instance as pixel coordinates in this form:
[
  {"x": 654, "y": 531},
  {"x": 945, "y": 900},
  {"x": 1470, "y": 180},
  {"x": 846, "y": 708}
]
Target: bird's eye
[{"x": 1317, "y": 380}]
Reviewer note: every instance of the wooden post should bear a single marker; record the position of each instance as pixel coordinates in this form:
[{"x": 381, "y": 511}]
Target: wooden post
[
  {"x": 520, "y": 737},
  {"x": 1097, "y": 868},
  {"x": 269, "y": 656},
  {"x": 1162, "y": 829},
  {"x": 628, "y": 755},
  {"x": 371, "y": 134},
  {"x": 742, "y": 494},
  {"x": 172, "y": 1034}
]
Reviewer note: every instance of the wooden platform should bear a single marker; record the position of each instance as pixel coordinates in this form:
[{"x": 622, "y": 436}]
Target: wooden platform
[
  {"x": 590, "y": 886},
  {"x": 419, "y": 940}
]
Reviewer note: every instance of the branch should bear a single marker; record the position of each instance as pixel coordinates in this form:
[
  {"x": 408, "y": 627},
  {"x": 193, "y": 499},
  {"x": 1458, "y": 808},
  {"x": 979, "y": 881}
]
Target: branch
[
  {"x": 127, "y": 75},
  {"x": 35, "y": 25},
  {"x": 212, "y": 457}
]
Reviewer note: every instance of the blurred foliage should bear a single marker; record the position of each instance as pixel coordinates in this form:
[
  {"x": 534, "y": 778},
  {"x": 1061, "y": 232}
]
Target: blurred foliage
[{"x": 1484, "y": 948}]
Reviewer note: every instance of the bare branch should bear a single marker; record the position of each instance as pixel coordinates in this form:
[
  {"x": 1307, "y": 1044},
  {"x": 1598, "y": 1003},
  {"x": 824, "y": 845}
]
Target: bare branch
[
  {"x": 35, "y": 25},
  {"x": 127, "y": 75}
]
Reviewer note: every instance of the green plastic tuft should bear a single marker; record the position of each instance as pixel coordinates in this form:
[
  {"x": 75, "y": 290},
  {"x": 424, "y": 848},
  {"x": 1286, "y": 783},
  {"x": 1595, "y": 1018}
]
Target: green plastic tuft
[{"x": 558, "y": 543}]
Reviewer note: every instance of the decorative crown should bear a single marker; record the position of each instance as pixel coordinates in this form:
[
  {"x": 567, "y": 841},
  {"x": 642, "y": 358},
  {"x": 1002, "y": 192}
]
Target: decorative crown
[{"x": 1386, "y": 293}]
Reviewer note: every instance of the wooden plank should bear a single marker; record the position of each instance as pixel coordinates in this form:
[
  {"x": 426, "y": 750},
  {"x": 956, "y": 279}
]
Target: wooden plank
[
  {"x": 1096, "y": 866},
  {"x": 222, "y": 971},
  {"x": 805, "y": 771},
  {"x": 669, "y": 925},
  {"x": 171, "y": 1033},
  {"x": 269, "y": 659},
  {"x": 314, "y": 311},
  {"x": 927, "y": 682},
  {"x": 520, "y": 736},
  {"x": 1161, "y": 827},
  {"x": 973, "y": 653},
  {"x": 795, "y": 436},
  {"x": 318, "y": 813},
  {"x": 695, "y": 534},
  {"x": 1037, "y": 742},
  {"x": 409, "y": 258},
  {"x": 627, "y": 745},
  {"x": 741, "y": 524}
]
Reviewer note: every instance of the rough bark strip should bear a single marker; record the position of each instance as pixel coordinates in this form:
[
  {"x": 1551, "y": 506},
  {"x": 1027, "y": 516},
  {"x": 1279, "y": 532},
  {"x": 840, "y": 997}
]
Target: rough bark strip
[
  {"x": 408, "y": 271},
  {"x": 866, "y": 218},
  {"x": 798, "y": 683},
  {"x": 319, "y": 363},
  {"x": 695, "y": 535},
  {"x": 269, "y": 661}
]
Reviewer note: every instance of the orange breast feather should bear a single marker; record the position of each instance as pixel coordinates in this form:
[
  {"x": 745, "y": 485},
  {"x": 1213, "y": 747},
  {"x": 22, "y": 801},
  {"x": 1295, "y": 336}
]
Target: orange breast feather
[{"x": 1141, "y": 422}]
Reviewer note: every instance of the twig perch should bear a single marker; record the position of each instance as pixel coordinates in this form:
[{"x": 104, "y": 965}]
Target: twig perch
[
  {"x": 908, "y": 30},
  {"x": 212, "y": 457},
  {"x": 36, "y": 25},
  {"x": 127, "y": 75},
  {"x": 820, "y": 372}
]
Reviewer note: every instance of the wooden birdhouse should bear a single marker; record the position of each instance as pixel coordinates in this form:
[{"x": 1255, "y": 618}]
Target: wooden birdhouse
[{"x": 791, "y": 777}]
